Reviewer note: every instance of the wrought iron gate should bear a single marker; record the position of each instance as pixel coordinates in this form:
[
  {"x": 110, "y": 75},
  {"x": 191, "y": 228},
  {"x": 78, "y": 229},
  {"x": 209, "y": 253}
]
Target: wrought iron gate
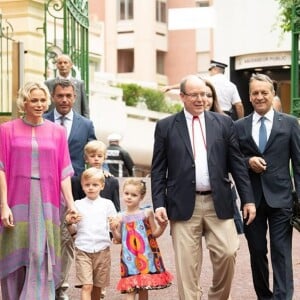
[{"x": 66, "y": 31}]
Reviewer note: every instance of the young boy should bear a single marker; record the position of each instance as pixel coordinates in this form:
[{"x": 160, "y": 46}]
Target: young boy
[
  {"x": 95, "y": 155},
  {"x": 92, "y": 240}
]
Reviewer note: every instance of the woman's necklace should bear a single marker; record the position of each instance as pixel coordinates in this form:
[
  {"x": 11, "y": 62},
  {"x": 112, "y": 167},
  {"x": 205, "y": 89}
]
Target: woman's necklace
[{"x": 33, "y": 124}]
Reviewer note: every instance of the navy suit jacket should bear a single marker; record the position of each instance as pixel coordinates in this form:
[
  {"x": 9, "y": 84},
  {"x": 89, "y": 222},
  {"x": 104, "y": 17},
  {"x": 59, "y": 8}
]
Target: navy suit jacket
[
  {"x": 81, "y": 104},
  {"x": 283, "y": 147},
  {"x": 82, "y": 131},
  {"x": 173, "y": 179}
]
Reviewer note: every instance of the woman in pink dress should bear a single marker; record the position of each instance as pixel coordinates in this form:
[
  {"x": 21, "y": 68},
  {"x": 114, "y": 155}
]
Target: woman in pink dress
[{"x": 35, "y": 170}]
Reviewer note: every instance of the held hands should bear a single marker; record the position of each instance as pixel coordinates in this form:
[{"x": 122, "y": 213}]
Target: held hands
[
  {"x": 115, "y": 228},
  {"x": 161, "y": 217},
  {"x": 7, "y": 216},
  {"x": 257, "y": 164},
  {"x": 163, "y": 225},
  {"x": 114, "y": 223},
  {"x": 72, "y": 216},
  {"x": 249, "y": 212}
]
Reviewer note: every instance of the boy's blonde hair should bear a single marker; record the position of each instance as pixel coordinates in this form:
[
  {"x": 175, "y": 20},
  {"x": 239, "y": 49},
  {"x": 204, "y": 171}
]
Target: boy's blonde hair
[
  {"x": 93, "y": 173},
  {"x": 141, "y": 184},
  {"x": 94, "y": 146}
]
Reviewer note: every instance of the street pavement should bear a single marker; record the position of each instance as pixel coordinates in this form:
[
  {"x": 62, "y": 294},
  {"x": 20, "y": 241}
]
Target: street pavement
[{"x": 242, "y": 288}]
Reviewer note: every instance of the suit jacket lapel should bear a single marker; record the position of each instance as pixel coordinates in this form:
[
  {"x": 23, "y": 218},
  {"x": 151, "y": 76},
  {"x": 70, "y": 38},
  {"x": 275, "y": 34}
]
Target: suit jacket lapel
[
  {"x": 248, "y": 130},
  {"x": 182, "y": 128},
  {"x": 276, "y": 127},
  {"x": 248, "y": 125},
  {"x": 74, "y": 127},
  {"x": 209, "y": 129},
  {"x": 52, "y": 118}
]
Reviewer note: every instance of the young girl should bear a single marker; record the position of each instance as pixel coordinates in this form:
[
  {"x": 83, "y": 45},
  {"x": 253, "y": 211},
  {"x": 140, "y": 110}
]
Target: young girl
[{"x": 142, "y": 268}]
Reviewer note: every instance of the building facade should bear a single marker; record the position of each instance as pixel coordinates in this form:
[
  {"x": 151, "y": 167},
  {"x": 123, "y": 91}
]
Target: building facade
[
  {"x": 244, "y": 34},
  {"x": 131, "y": 41}
]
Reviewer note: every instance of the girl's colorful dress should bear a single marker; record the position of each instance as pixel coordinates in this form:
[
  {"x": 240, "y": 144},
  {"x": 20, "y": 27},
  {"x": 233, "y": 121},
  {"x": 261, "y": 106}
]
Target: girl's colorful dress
[
  {"x": 35, "y": 161},
  {"x": 141, "y": 262}
]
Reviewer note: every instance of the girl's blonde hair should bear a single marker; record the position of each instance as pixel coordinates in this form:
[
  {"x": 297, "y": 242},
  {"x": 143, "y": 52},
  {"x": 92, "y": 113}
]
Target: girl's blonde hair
[
  {"x": 139, "y": 183},
  {"x": 94, "y": 146},
  {"x": 25, "y": 91},
  {"x": 93, "y": 173}
]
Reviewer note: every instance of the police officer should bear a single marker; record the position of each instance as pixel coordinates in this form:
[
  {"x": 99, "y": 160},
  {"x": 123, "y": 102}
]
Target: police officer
[
  {"x": 119, "y": 161},
  {"x": 228, "y": 95}
]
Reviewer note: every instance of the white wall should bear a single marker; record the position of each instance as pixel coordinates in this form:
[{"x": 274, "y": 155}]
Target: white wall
[
  {"x": 247, "y": 26},
  {"x": 136, "y": 126}
]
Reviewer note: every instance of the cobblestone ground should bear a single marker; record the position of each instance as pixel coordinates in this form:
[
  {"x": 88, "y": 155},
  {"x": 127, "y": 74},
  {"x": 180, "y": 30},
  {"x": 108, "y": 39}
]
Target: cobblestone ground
[{"x": 242, "y": 288}]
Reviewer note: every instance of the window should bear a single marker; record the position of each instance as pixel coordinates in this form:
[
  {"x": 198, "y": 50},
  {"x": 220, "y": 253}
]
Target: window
[
  {"x": 125, "y": 9},
  {"x": 202, "y": 3},
  {"x": 160, "y": 62},
  {"x": 125, "y": 61},
  {"x": 161, "y": 11}
]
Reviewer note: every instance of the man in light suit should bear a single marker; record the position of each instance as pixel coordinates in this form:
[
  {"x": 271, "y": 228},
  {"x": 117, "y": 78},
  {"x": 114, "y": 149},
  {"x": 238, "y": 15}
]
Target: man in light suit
[
  {"x": 64, "y": 66},
  {"x": 269, "y": 156},
  {"x": 80, "y": 130},
  {"x": 191, "y": 187}
]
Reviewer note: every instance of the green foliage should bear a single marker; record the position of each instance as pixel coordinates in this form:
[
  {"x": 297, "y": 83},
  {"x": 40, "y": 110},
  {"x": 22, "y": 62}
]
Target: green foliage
[
  {"x": 154, "y": 99},
  {"x": 286, "y": 14},
  {"x": 131, "y": 93},
  {"x": 174, "y": 108}
]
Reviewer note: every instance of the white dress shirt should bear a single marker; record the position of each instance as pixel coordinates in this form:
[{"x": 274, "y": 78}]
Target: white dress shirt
[
  {"x": 68, "y": 120},
  {"x": 200, "y": 151},
  {"x": 256, "y": 124},
  {"x": 93, "y": 229}
]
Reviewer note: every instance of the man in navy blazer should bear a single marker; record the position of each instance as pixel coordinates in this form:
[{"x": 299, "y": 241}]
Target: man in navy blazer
[
  {"x": 272, "y": 183},
  {"x": 80, "y": 130},
  {"x": 194, "y": 151},
  {"x": 64, "y": 66}
]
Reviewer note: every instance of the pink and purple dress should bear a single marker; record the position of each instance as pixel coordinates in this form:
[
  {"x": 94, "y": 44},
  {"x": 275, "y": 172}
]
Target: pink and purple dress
[{"x": 35, "y": 159}]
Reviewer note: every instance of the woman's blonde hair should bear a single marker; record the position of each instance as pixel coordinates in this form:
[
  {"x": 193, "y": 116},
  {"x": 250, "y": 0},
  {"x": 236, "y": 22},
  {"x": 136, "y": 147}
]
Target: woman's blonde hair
[{"x": 25, "y": 91}]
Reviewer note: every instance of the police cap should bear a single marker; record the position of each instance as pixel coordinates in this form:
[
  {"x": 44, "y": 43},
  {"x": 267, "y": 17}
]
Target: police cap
[
  {"x": 114, "y": 137},
  {"x": 214, "y": 63}
]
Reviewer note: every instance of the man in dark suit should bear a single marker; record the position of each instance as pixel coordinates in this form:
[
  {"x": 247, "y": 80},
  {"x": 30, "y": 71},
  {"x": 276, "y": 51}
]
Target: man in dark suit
[
  {"x": 194, "y": 151},
  {"x": 64, "y": 66},
  {"x": 270, "y": 142},
  {"x": 80, "y": 130}
]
